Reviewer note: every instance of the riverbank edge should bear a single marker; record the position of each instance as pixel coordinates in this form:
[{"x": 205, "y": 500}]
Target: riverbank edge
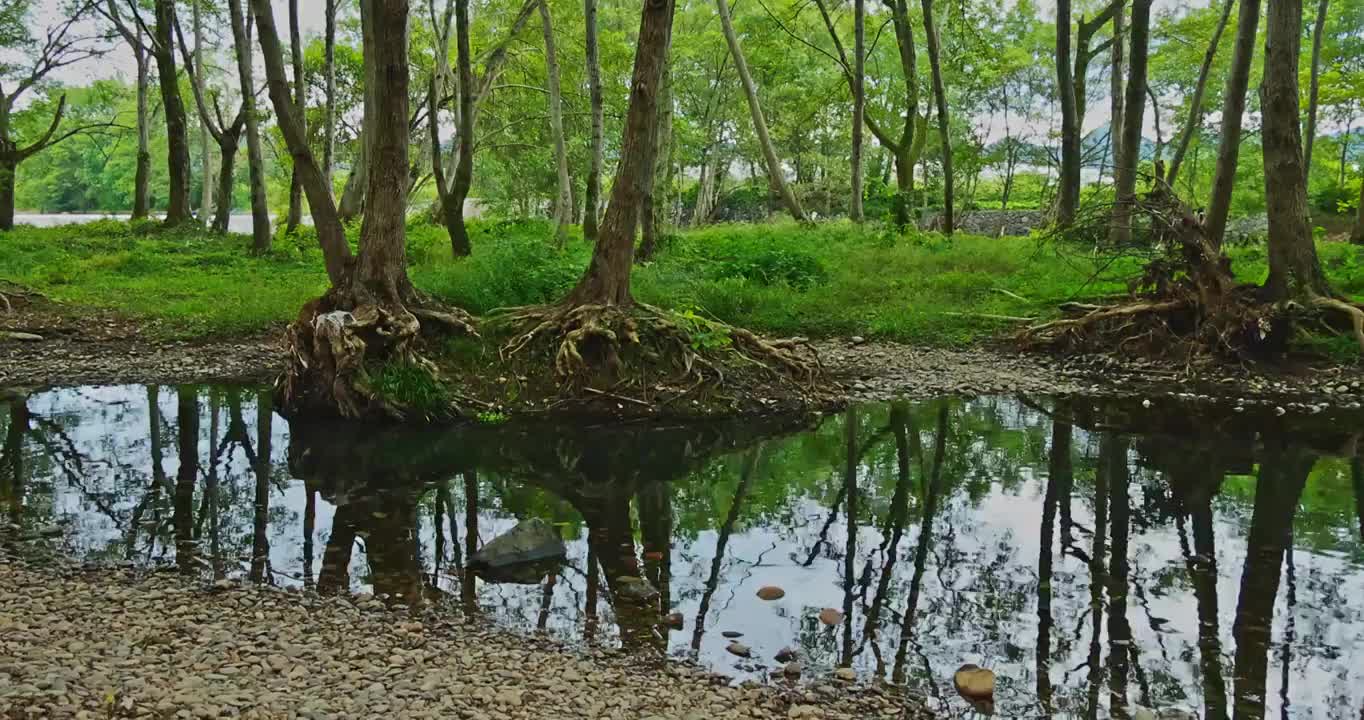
[{"x": 123, "y": 592}]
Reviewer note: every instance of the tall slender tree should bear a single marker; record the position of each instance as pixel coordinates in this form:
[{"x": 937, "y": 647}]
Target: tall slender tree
[
  {"x": 196, "y": 75},
  {"x": 1314, "y": 87},
  {"x": 1134, "y": 106},
  {"x": 137, "y": 42},
  {"x": 173, "y": 108},
  {"x": 592, "y": 194},
  {"x": 859, "y": 105},
  {"x": 1068, "y": 188},
  {"x": 563, "y": 199},
  {"x": 1233, "y": 108},
  {"x": 1195, "y": 120},
  {"x": 294, "y": 215},
  {"x": 940, "y": 95},
  {"x": 241, "y": 43},
  {"x": 226, "y": 135},
  {"x": 776, "y": 174},
  {"x": 329, "y": 77}
]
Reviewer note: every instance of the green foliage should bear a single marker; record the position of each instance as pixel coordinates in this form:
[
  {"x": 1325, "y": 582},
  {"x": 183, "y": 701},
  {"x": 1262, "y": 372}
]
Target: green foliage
[
  {"x": 514, "y": 263},
  {"x": 411, "y": 386}
]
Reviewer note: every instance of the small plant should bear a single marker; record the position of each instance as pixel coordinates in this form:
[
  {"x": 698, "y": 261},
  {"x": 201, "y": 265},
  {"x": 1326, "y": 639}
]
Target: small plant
[
  {"x": 705, "y": 334},
  {"x": 492, "y": 417},
  {"x": 411, "y": 386}
]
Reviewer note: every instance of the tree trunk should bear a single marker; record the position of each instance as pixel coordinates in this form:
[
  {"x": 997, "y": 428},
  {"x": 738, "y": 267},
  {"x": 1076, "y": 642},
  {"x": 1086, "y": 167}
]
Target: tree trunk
[
  {"x": 1068, "y": 196},
  {"x": 1115, "y": 88},
  {"x": 1294, "y": 270},
  {"x": 260, "y": 210},
  {"x": 1313, "y": 89},
  {"x": 904, "y": 185},
  {"x": 205, "y": 157},
  {"x": 607, "y": 279},
  {"x": 1134, "y": 108},
  {"x": 775, "y": 176},
  {"x": 563, "y": 199},
  {"x": 227, "y": 148},
  {"x": 859, "y": 106},
  {"x": 1195, "y": 120},
  {"x": 294, "y": 215},
  {"x": 1233, "y": 108},
  {"x": 592, "y": 201},
  {"x": 177, "y": 128},
  {"x": 653, "y": 210},
  {"x": 143, "y": 173},
  {"x": 329, "y": 70},
  {"x": 187, "y": 415},
  {"x": 1357, "y": 234},
  {"x": 7, "y": 171},
  {"x": 330, "y": 234},
  {"x": 383, "y": 240},
  {"x": 464, "y": 163},
  {"x": 940, "y": 95},
  {"x": 352, "y": 201}
]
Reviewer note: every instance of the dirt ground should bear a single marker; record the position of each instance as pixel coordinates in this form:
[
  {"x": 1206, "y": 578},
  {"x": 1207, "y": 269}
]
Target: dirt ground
[{"x": 100, "y": 348}]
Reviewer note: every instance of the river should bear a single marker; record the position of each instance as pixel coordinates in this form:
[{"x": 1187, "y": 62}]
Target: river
[{"x": 1096, "y": 555}]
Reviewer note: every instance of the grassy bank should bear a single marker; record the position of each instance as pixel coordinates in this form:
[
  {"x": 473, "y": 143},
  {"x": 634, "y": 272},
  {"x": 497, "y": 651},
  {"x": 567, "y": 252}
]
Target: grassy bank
[{"x": 833, "y": 279}]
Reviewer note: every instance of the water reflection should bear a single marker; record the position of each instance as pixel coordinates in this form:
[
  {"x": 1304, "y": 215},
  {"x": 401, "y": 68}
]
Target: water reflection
[{"x": 1097, "y": 556}]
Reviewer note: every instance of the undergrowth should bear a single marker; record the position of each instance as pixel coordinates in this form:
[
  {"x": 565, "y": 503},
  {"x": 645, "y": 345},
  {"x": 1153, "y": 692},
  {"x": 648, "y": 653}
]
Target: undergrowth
[{"x": 833, "y": 279}]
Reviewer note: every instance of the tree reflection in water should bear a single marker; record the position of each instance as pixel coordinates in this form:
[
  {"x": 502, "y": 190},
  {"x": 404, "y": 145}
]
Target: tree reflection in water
[{"x": 1097, "y": 555}]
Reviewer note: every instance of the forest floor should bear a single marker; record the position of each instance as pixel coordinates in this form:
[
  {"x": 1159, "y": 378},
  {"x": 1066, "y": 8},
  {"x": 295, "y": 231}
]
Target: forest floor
[
  {"x": 119, "y": 303},
  {"x": 184, "y": 648}
]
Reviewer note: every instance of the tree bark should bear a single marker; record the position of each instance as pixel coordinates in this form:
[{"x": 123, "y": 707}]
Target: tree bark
[
  {"x": 1314, "y": 89},
  {"x": 1294, "y": 270},
  {"x": 775, "y": 176},
  {"x": 383, "y": 240},
  {"x": 260, "y": 210},
  {"x": 352, "y": 201},
  {"x": 607, "y": 279},
  {"x": 294, "y": 216},
  {"x": 143, "y": 173},
  {"x": 563, "y": 199},
  {"x": 1068, "y": 197},
  {"x": 940, "y": 95},
  {"x": 1233, "y": 108},
  {"x": 592, "y": 199},
  {"x": 329, "y": 70},
  {"x": 464, "y": 163},
  {"x": 859, "y": 106},
  {"x": 205, "y": 157},
  {"x": 7, "y": 171},
  {"x": 1116, "y": 108},
  {"x": 653, "y": 209},
  {"x": 330, "y": 234},
  {"x": 177, "y": 129},
  {"x": 227, "y": 149},
  {"x": 1357, "y": 234},
  {"x": 1195, "y": 120},
  {"x": 1134, "y": 108}
]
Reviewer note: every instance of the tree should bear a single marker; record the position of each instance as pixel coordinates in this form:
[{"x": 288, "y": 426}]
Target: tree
[
  {"x": 1314, "y": 88},
  {"x": 134, "y": 38},
  {"x": 61, "y": 46},
  {"x": 859, "y": 105},
  {"x": 1233, "y": 108},
  {"x": 196, "y": 74},
  {"x": 940, "y": 95},
  {"x": 563, "y": 199},
  {"x": 173, "y": 107},
  {"x": 330, "y": 234},
  {"x": 260, "y": 211},
  {"x": 1068, "y": 194},
  {"x": 227, "y": 135},
  {"x": 1357, "y": 234},
  {"x": 775, "y": 173},
  {"x": 1195, "y": 119},
  {"x": 295, "y": 212},
  {"x": 591, "y": 201},
  {"x": 329, "y": 77},
  {"x": 1134, "y": 106},
  {"x": 1294, "y": 270}
]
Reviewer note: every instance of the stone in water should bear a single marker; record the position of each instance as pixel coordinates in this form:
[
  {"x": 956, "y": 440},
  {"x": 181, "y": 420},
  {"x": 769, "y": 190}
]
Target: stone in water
[{"x": 771, "y": 592}]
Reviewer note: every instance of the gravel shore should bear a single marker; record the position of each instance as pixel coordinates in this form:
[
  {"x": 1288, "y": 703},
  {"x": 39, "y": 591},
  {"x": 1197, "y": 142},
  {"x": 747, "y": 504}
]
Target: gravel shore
[{"x": 82, "y": 643}]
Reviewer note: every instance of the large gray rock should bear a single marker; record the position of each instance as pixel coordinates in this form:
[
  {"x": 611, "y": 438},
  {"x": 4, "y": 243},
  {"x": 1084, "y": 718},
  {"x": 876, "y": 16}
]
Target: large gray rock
[{"x": 524, "y": 554}]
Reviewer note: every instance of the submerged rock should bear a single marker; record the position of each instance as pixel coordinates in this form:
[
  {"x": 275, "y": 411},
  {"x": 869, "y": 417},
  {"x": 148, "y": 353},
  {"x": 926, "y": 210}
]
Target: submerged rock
[
  {"x": 524, "y": 554},
  {"x": 830, "y": 616},
  {"x": 635, "y": 589},
  {"x": 771, "y": 592}
]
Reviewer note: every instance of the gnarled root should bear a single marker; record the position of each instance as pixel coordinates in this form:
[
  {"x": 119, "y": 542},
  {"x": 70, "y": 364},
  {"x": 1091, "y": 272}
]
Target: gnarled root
[
  {"x": 1352, "y": 312},
  {"x": 608, "y": 346},
  {"x": 331, "y": 349}
]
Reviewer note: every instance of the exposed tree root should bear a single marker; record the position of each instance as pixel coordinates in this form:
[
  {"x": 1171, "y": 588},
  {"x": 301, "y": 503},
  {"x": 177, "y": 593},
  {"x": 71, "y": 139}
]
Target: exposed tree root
[
  {"x": 1186, "y": 301},
  {"x": 339, "y": 341},
  {"x": 647, "y": 356}
]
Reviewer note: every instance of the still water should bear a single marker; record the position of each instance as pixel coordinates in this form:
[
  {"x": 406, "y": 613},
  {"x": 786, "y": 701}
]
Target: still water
[{"x": 1096, "y": 555}]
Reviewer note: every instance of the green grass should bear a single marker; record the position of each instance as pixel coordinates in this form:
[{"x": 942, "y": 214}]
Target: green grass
[{"x": 833, "y": 279}]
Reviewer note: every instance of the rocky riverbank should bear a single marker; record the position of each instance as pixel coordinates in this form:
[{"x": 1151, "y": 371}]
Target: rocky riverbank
[{"x": 86, "y": 643}]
